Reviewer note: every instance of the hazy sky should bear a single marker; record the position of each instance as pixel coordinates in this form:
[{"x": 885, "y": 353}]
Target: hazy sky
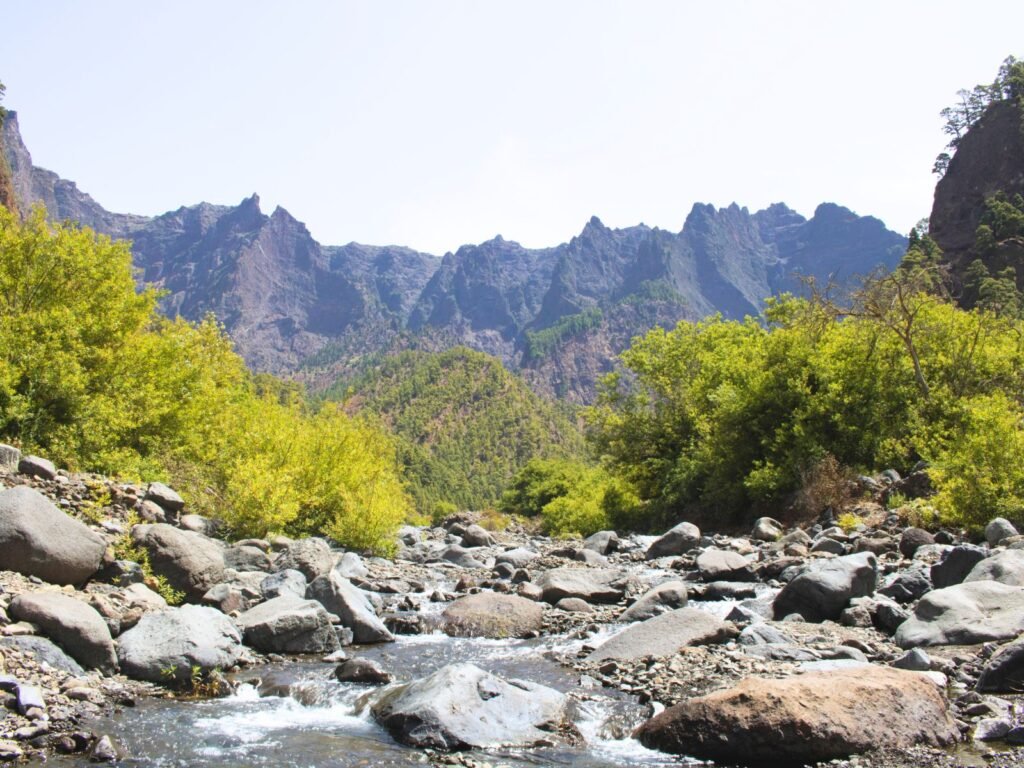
[{"x": 433, "y": 124}]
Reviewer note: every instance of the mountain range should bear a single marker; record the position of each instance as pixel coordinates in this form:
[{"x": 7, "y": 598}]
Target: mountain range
[{"x": 559, "y": 315}]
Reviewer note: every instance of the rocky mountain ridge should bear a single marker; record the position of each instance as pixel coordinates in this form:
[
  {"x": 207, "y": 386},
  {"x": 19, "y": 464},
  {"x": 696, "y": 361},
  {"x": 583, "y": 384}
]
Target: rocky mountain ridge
[{"x": 294, "y": 306}]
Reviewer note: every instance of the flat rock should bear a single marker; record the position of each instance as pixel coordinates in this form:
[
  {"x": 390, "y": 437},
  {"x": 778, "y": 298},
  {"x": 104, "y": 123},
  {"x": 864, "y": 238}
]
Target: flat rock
[
  {"x": 168, "y": 644},
  {"x": 74, "y": 625},
  {"x": 664, "y": 635},
  {"x": 37, "y": 539},
  {"x": 595, "y": 585},
  {"x": 808, "y": 718},
  {"x": 463, "y": 707},
  {"x": 964, "y": 614},
  {"x": 191, "y": 562},
  {"x": 489, "y": 614}
]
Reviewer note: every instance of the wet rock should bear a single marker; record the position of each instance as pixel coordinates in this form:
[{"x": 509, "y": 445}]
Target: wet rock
[
  {"x": 1006, "y": 567},
  {"x": 1004, "y": 670},
  {"x": 37, "y": 539},
  {"x": 813, "y": 717},
  {"x": 44, "y": 651},
  {"x": 955, "y": 564},
  {"x": 164, "y": 497},
  {"x": 964, "y": 614},
  {"x": 463, "y": 707},
  {"x": 167, "y": 645},
  {"x": 724, "y": 565},
  {"x": 998, "y": 529},
  {"x": 364, "y": 671},
  {"x": 288, "y": 581},
  {"x": 312, "y": 557},
  {"x": 595, "y": 585},
  {"x": 191, "y": 562},
  {"x": 664, "y": 635},
  {"x": 36, "y": 466},
  {"x": 913, "y": 539},
  {"x": 826, "y": 588},
  {"x": 663, "y": 598},
  {"x": 766, "y": 529},
  {"x": 103, "y": 751},
  {"x": 77, "y": 626},
  {"x": 488, "y": 614},
  {"x": 288, "y": 625},
  {"x": 349, "y": 603},
  {"x": 674, "y": 542}
]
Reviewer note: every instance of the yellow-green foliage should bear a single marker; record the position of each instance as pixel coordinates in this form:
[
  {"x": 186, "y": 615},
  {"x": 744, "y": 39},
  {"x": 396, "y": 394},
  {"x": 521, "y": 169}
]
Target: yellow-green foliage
[{"x": 91, "y": 376}]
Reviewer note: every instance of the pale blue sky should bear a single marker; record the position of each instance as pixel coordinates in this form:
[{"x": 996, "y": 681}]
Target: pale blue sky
[{"x": 433, "y": 124}]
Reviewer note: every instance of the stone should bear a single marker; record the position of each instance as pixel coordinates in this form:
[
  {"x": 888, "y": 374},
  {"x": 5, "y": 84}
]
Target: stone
[
  {"x": 191, "y": 562},
  {"x": 1006, "y": 567},
  {"x": 246, "y": 559},
  {"x": 823, "y": 590},
  {"x": 965, "y": 614},
  {"x": 530, "y": 591},
  {"x": 363, "y": 671},
  {"x": 913, "y": 539},
  {"x": 142, "y": 596},
  {"x": 9, "y": 458},
  {"x": 103, "y": 751},
  {"x": 226, "y": 598},
  {"x": 151, "y": 512},
  {"x": 288, "y": 581},
  {"x": 44, "y": 651},
  {"x": 351, "y": 566},
  {"x": 602, "y": 542},
  {"x": 955, "y": 564},
  {"x": 909, "y": 585},
  {"x": 813, "y": 717},
  {"x": 164, "y": 497},
  {"x": 461, "y": 557},
  {"x": 914, "y": 660},
  {"x": 828, "y": 545},
  {"x": 992, "y": 728},
  {"x": 487, "y": 614},
  {"x": 766, "y": 529},
  {"x": 36, "y": 466},
  {"x": 574, "y": 605},
  {"x": 664, "y": 635},
  {"x": 312, "y": 556},
  {"x": 1004, "y": 670},
  {"x": 675, "y": 541},
  {"x": 75, "y": 625},
  {"x": 475, "y": 536},
  {"x": 30, "y": 697},
  {"x": 724, "y": 565},
  {"x": 663, "y": 598},
  {"x": 179, "y": 639},
  {"x": 518, "y": 558},
  {"x": 463, "y": 707},
  {"x": 595, "y": 585},
  {"x": 998, "y": 529},
  {"x": 37, "y": 539},
  {"x": 288, "y": 625},
  {"x": 727, "y": 590},
  {"x": 350, "y": 604},
  {"x": 763, "y": 634},
  {"x": 590, "y": 557}
]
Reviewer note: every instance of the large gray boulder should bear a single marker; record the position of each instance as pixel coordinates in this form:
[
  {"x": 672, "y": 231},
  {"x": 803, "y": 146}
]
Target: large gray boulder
[
  {"x": 179, "y": 639},
  {"x": 517, "y": 558},
  {"x": 1006, "y": 567},
  {"x": 1004, "y": 671},
  {"x": 349, "y": 603},
  {"x": 663, "y": 598},
  {"x": 602, "y": 542},
  {"x": 37, "y": 539},
  {"x": 191, "y": 562},
  {"x": 595, "y": 585},
  {"x": 955, "y": 564},
  {"x": 246, "y": 558},
  {"x": 288, "y": 624},
  {"x": 664, "y": 635},
  {"x": 44, "y": 651},
  {"x": 463, "y": 707},
  {"x": 965, "y": 614},
  {"x": 822, "y": 591},
  {"x": 286, "y": 582},
  {"x": 489, "y": 614},
  {"x": 724, "y": 565},
  {"x": 675, "y": 541},
  {"x": 998, "y": 529},
  {"x": 809, "y": 718},
  {"x": 37, "y": 466},
  {"x": 74, "y": 625},
  {"x": 164, "y": 497},
  {"x": 312, "y": 556}
]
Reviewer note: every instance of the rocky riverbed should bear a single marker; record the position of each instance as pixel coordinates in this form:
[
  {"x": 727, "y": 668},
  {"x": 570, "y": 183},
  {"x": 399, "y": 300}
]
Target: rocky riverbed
[{"x": 881, "y": 646}]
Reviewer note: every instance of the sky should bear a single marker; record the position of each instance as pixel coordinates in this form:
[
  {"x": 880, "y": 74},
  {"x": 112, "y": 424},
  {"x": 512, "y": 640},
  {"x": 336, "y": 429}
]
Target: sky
[{"x": 437, "y": 123}]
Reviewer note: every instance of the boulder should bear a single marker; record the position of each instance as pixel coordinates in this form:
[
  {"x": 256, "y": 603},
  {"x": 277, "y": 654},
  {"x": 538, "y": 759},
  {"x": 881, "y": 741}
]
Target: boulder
[
  {"x": 517, "y": 558},
  {"x": 243, "y": 558},
  {"x": 460, "y": 556},
  {"x": 822, "y": 591},
  {"x": 723, "y": 565},
  {"x": 909, "y": 585},
  {"x": 463, "y": 707},
  {"x": 288, "y": 581},
  {"x": 663, "y": 598},
  {"x": 964, "y": 614},
  {"x": 179, "y": 639},
  {"x": 1004, "y": 671},
  {"x": 664, "y": 635},
  {"x": 809, "y": 718},
  {"x": 362, "y": 671},
  {"x": 828, "y": 545},
  {"x": 44, "y": 651},
  {"x": 9, "y": 458},
  {"x": 37, "y": 539},
  {"x": 166, "y": 498},
  {"x": 475, "y": 536},
  {"x": 312, "y": 556},
  {"x": 602, "y": 542},
  {"x": 191, "y": 562},
  {"x": 36, "y": 466},
  {"x": 76, "y": 626},
  {"x": 766, "y": 529},
  {"x": 675, "y": 541},
  {"x": 1006, "y": 567},
  {"x": 913, "y": 539},
  {"x": 998, "y": 529},
  {"x": 595, "y": 585},
  {"x": 288, "y": 625},
  {"x": 574, "y": 605},
  {"x": 351, "y": 566},
  {"x": 488, "y": 614},
  {"x": 590, "y": 557},
  {"x": 955, "y": 564},
  {"x": 349, "y": 603}
]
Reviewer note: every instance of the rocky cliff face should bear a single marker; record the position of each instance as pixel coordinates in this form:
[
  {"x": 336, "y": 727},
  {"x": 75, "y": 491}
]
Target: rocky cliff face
[
  {"x": 560, "y": 314},
  {"x": 989, "y": 159}
]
